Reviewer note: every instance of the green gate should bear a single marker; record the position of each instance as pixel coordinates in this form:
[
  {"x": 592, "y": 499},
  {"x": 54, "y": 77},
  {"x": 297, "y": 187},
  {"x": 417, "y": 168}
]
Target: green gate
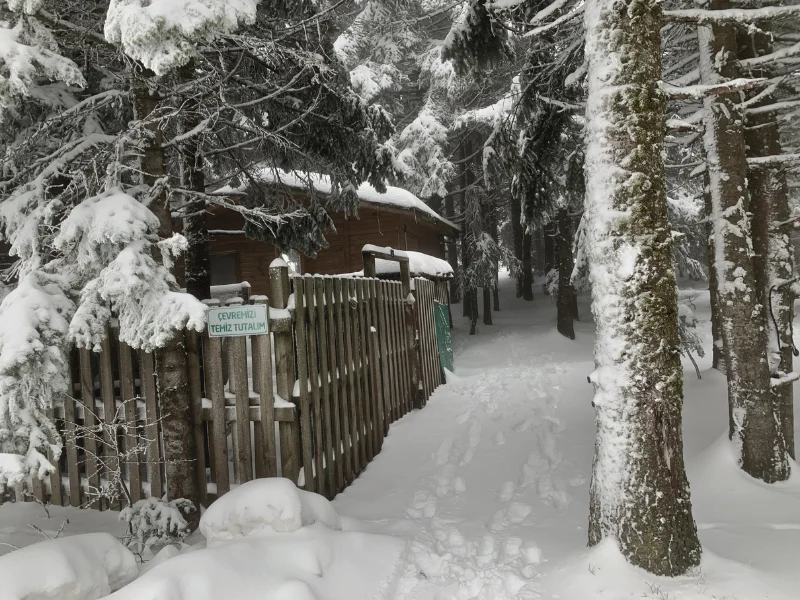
[{"x": 443, "y": 339}]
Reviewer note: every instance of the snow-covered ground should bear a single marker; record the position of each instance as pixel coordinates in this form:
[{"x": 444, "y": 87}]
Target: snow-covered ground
[
  {"x": 483, "y": 494},
  {"x": 490, "y": 481}
]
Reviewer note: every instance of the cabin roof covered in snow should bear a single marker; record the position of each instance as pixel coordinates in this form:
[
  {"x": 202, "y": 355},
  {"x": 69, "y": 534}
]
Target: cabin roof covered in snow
[{"x": 394, "y": 198}]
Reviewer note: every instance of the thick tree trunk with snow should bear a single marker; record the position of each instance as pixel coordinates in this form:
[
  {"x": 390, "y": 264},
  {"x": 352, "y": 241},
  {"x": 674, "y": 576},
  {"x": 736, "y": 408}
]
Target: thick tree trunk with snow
[
  {"x": 565, "y": 302},
  {"x": 171, "y": 367},
  {"x": 772, "y": 259},
  {"x": 639, "y": 491},
  {"x": 517, "y": 232},
  {"x": 753, "y": 426}
]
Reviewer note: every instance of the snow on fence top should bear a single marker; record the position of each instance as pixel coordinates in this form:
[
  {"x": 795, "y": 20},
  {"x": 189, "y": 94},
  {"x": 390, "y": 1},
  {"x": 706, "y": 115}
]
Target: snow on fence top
[
  {"x": 394, "y": 197},
  {"x": 418, "y": 264}
]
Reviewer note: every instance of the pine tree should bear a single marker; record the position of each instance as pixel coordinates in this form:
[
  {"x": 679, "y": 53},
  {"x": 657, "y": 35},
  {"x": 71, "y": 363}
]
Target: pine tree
[{"x": 639, "y": 492}]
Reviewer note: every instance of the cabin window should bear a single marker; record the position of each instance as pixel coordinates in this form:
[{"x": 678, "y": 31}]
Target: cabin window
[{"x": 224, "y": 268}]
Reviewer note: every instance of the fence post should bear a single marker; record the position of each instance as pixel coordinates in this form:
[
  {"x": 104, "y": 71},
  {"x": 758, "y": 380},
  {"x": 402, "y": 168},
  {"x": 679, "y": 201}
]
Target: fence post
[
  {"x": 288, "y": 431},
  {"x": 266, "y": 463},
  {"x": 243, "y": 463},
  {"x": 196, "y": 391},
  {"x": 409, "y": 307}
]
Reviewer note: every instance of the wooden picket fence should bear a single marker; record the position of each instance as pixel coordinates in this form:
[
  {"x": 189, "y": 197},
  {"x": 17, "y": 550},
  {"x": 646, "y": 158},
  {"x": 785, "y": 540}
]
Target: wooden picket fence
[{"x": 311, "y": 401}]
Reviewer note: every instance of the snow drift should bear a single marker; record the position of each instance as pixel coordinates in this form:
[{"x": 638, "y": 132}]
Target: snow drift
[
  {"x": 80, "y": 567},
  {"x": 268, "y": 540}
]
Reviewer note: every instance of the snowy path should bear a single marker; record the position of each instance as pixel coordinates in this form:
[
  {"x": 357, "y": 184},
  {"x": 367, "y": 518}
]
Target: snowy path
[
  {"x": 483, "y": 479},
  {"x": 490, "y": 481}
]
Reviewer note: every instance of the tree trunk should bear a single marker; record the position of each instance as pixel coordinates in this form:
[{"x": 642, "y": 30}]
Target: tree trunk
[
  {"x": 473, "y": 311},
  {"x": 487, "y": 306},
  {"x": 496, "y": 238},
  {"x": 197, "y": 259},
  {"x": 566, "y": 293},
  {"x": 171, "y": 363},
  {"x": 527, "y": 266},
  {"x": 539, "y": 252},
  {"x": 639, "y": 492},
  {"x": 773, "y": 263},
  {"x": 753, "y": 428},
  {"x": 717, "y": 348},
  {"x": 549, "y": 235},
  {"x": 517, "y": 231},
  {"x": 452, "y": 252}
]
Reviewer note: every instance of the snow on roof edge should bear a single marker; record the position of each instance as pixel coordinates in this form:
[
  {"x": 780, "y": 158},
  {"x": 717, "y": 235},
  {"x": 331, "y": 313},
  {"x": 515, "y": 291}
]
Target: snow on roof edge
[{"x": 395, "y": 197}]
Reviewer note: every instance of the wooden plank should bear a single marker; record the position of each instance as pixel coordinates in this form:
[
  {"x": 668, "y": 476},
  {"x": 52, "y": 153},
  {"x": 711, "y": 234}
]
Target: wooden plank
[
  {"x": 110, "y": 414},
  {"x": 306, "y": 433},
  {"x": 345, "y": 379},
  {"x": 422, "y": 336},
  {"x": 215, "y": 391},
  {"x": 73, "y": 472},
  {"x": 55, "y": 477},
  {"x": 326, "y": 401},
  {"x": 152, "y": 427},
  {"x": 436, "y": 371},
  {"x": 198, "y": 429},
  {"x": 90, "y": 447},
  {"x": 384, "y": 348},
  {"x": 424, "y": 306},
  {"x": 130, "y": 440},
  {"x": 267, "y": 463},
  {"x": 359, "y": 367},
  {"x": 335, "y": 371},
  {"x": 375, "y": 368},
  {"x": 291, "y": 458},
  {"x": 400, "y": 344},
  {"x": 363, "y": 300},
  {"x": 384, "y": 387},
  {"x": 401, "y": 308},
  {"x": 353, "y": 378},
  {"x": 398, "y": 341},
  {"x": 313, "y": 370},
  {"x": 241, "y": 427},
  {"x": 37, "y": 489}
]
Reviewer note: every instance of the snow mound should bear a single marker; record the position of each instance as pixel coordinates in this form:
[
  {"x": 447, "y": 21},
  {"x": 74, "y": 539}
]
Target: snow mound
[
  {"x": 80, "y": 567},
  {"x": 603, "y": 572},
  {"x": 314, "y": 563},
  {"x": 265, "y": 506}
]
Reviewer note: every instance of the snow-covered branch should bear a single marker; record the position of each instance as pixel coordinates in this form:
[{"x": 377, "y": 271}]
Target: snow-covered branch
[
  {"x": 697, "y": 92},
  {"x": 731, "y": 15}
]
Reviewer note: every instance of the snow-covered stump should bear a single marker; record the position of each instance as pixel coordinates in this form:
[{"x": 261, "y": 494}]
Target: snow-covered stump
[
  {"x": 639, "y": 491},
  {"x": 753, "y": 426}
]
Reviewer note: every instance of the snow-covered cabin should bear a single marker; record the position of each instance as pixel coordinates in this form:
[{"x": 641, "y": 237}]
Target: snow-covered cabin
[{"x": 396, "y": 218}]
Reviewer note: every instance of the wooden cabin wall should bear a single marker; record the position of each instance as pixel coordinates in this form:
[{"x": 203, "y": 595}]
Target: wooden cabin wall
[{"x": 373, "y": 226}]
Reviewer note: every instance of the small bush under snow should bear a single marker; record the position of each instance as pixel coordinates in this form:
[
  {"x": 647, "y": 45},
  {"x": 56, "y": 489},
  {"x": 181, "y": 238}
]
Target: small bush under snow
[
  {"x": 79, "y": 567},
  {"x": 263, "y": 506}
]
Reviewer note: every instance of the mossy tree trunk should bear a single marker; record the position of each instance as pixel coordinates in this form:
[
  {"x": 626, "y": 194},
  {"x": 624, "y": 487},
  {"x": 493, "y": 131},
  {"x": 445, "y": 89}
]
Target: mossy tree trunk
[
  {"x": 639, "y": 491},
  {"x": 772, "y": 249},
  {"x": 754, "y": 429}
]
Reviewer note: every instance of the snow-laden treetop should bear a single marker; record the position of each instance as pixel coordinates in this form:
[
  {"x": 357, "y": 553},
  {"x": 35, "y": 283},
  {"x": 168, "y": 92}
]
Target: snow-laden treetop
[{"x": 163, "y": 34}]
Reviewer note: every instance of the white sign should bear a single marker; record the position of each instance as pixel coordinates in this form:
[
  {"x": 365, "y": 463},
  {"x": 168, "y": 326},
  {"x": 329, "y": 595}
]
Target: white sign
[{"x": 232, "y": 321}]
